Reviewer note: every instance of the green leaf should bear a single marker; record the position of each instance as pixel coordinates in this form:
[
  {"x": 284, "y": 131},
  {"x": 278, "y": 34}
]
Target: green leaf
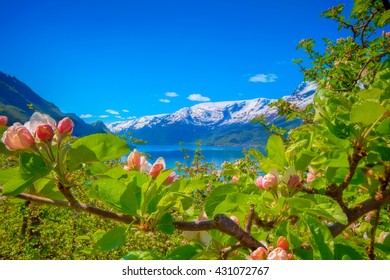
[
  {"x": 97, "y": 147},
  {"x": 345, "y": 252},
  {"x": 384, "y": 127},
  {"x": 322, "y": 237},
  {"x": 384, "y": 18},
  {"x": 303, "y": 160},
  {"x": 33, "y": 166},
  {"x": 163, "y": 176},
  {"x": 370, "y": 94},
  {"x": 141, "y": 255},
  {"x": 113, "y": 238},
  {"x": 216, "y": 196},
  {"x": 319, "y": 205},
  {"x": 116, "y": 194},
  {"x": 275, "y": 150},
  {"x": 16, "y": 180},
  {"x": 165, "y": 224},
  {"x": 185, "y": 252},
  {"x": 48, "y": 188},
  {"x": 367, "y": 112},
  {"x": 98, "y": 168}
]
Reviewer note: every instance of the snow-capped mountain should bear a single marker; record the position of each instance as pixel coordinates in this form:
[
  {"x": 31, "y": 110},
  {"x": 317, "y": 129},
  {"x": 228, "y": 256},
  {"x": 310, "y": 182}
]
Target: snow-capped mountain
[{"x": 211, "y": 121}]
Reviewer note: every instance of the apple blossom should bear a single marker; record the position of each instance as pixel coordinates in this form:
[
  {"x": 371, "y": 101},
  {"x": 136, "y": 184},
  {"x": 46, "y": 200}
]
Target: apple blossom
[
  {"x": 3, "y": 120},
  {"x": 278, "y": 254},
  {"x": 44, "y": 132},
  {"x": 17, "y": 137},
  {"x": 157, "y": 167},
  {"x": 170, "y": 178},
  {"x": 259, "y": 254},
  {"x": 259, "y": 182},
  {"x": 37, "y": 119},
  {"x": 293, "y": 181},
  {"x": 145, "y": 165},
  {"x": 283, "y": 243},
  {"x": 270, "y": 181},
  {"x": 65, "y": 126},
  {"x": 134, "y": 160},
  {"x": 235, "y": 179}
]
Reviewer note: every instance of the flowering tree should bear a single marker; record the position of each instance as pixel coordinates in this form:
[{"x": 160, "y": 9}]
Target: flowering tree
[{"x": 324, "y": 189}]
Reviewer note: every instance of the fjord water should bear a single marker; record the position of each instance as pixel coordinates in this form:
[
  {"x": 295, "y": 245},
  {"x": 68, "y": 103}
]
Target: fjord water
[{"x": 173, "y": 154}]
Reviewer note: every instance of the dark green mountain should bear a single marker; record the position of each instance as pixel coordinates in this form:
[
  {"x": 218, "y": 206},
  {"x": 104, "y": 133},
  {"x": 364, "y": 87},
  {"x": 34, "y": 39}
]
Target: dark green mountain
[{"x": 18, "y": 102}]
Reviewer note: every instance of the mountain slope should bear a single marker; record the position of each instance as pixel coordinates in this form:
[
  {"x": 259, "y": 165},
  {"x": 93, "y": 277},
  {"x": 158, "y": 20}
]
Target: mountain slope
[
  {"x": 216, "y": 123},
  {"x": 18, "y": 102}
]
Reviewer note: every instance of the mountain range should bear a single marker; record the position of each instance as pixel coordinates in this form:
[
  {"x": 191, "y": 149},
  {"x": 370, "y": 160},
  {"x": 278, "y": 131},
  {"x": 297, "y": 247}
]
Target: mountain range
[
  {"x": 18, "y": 102},
  {"x": 215, "y": 123}
]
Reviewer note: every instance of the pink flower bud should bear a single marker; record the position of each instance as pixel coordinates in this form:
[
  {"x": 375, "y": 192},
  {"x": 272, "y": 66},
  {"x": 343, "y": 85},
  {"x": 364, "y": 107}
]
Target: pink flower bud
[
  {"x": 44, "y": 132},
  {"x": 170, "y": 178},
  {"x": 283, "y": 243},
  {"x": 294, "y": 181},
  {"x": 65, "y": 126},
  {"x": 235, "y": 220},
  {"x": 134, "y": 160},
  {"x": 278, "y": 254},
  {"x": 259, "y": 182},
  {"x": 3, "y": 120},
  {"x": 235, "y": 179},
  {"x": 157, "y": 167},
  {"x": 259, "y": 254},
  {"x": 270, "y": 181},
  {"x": 17, "y": 137}
]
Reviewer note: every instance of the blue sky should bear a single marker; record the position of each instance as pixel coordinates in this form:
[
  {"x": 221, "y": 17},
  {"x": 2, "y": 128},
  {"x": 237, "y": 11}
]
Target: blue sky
[{"x": 119, "y": 59}]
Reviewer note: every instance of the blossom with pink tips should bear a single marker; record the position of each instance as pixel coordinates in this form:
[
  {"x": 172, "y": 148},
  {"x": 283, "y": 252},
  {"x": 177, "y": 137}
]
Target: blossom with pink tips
[
  {"x": 44, "y": 132},
  {"x": 17, "y": 137},
  {"x": 133, "y": 161},
  {"x": 259, "y": 254},
  {"x": 294, "y": 181},
  {"x": 3, "y": 120},
  {"x": 268, "y": 181},
  {"x": 157, "y": 167},
  {"x": 278, "y": 254},
  {"x": 65, "y": 126},
  {"x": 283, "y": 243},
  {"x": 235, "y": 179},
  {"x": 171, "y": 178}
]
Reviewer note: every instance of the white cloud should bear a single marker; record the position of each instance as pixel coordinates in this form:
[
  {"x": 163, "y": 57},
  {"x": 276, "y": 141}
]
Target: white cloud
[
  {"x": 171, "y": 94},
  {"x": 86, "y": 116},
  {"x": 198, "y": 97},
  {"x": 263, "y": 78},
  {"x": 119, "y": 117},
  {"x": 131, "y": 118},
  {"x": 103, "y": 116},
  {"x": 165, "y": 100},
  {"x": 112, "y": 112},
  {"x": 126, "y": 111}
]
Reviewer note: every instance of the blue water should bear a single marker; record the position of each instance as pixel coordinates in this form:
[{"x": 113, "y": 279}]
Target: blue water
[{"x": 173, "y": 154}]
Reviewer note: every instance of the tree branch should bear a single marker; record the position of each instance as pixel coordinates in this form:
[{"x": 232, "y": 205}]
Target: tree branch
[
  {"x": 373, "y": 203},
  {"x": 77, "y": 206},
  {"x": 222, "y": 223}
]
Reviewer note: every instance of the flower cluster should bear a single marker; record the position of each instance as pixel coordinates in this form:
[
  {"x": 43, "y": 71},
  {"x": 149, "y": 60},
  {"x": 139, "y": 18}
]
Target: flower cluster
[
  {"x": 40, "y": 128},
  {"x": 279, "y": 253},
  {"x": 139, "y": 163}
]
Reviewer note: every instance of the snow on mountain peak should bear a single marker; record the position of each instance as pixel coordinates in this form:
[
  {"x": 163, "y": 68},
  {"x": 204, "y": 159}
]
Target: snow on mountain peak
[{"x": 218, "y": 113}]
